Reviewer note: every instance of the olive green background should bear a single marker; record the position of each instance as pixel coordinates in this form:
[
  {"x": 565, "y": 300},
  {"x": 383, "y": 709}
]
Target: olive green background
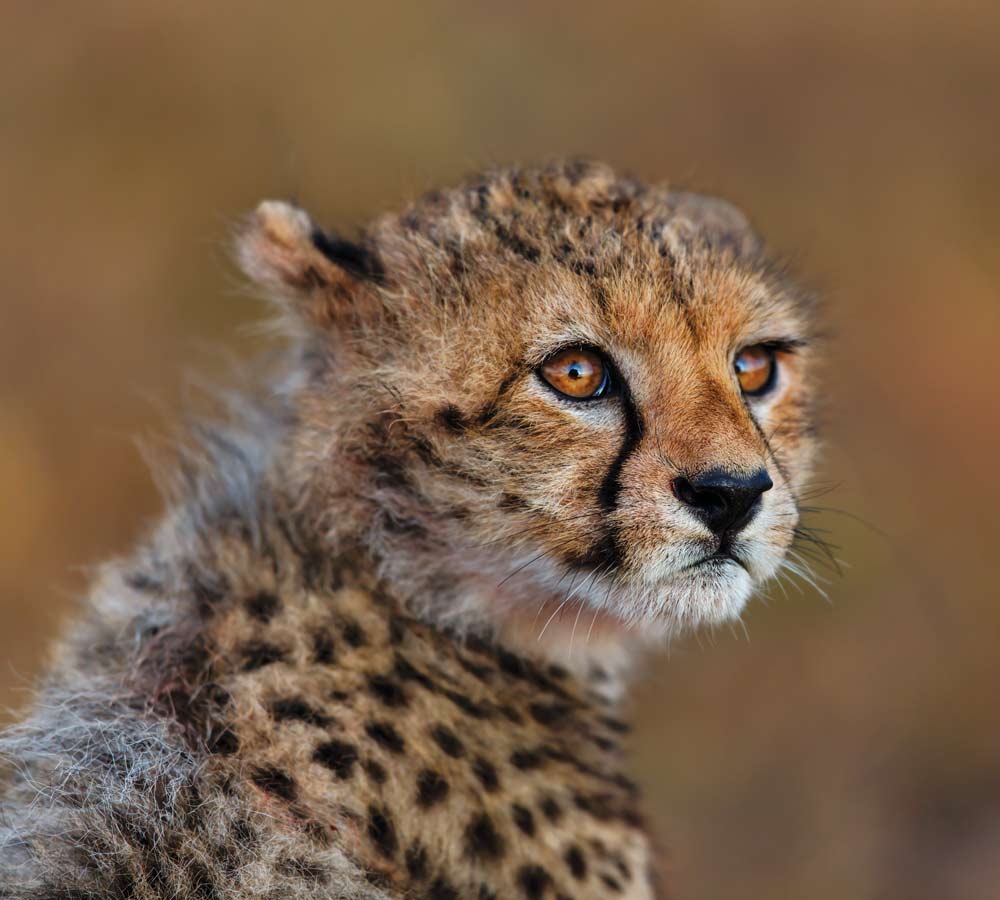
[{"x": 841, "y": 749}]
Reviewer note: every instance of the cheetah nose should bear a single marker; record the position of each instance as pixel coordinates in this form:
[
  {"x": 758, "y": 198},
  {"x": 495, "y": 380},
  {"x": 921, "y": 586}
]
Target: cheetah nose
[{"x": 724, "y": 501}]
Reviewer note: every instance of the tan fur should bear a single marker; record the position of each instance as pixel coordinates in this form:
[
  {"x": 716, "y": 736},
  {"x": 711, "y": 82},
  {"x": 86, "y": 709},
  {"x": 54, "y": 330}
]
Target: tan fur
[{"x": 376, "y": 647}]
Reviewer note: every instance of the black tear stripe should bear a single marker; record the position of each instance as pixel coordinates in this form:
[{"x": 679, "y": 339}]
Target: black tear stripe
[
  {"x": 607, "y": 551},
  {"x": 770, "y": 452}
]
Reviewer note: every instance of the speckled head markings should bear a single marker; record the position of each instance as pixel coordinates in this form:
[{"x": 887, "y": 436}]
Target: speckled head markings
[{"x": 377, "y": 645}]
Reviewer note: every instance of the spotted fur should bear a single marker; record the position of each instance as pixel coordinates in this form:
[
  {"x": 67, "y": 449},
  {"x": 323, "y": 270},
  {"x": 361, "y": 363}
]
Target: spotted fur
[{"x": 377, "y": 645}]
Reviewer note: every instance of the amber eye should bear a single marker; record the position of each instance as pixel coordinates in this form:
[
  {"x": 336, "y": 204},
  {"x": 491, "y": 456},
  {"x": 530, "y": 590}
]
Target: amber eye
[
  {"x": 755, "y": 368},
  {"x": 577, "y": 373}
]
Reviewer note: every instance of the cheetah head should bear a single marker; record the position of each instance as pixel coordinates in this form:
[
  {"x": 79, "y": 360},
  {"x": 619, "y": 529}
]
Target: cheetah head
[{"x": 555, "y": 402}]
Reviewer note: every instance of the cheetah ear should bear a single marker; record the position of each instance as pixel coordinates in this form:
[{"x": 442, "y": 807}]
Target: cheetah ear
[
  {"x": 717, "y": 220},
  {"x": 281, "y": 249}
]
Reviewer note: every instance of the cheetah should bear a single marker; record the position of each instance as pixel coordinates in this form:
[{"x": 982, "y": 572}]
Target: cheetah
[{"x": 378, "y": 645}]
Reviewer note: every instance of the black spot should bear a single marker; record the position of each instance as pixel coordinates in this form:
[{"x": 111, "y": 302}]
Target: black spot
[
  {"x": 207, "y": 591},
  {"x": 467, "y": 705},
  {"x": 384, "y": 734},
  {"x": 551, "y": 810},
  {"x": 526, "y": 760},
  {"x": 534, "y": 881},
  {"x": 559, "y": 754},
  {"x": 397, "y": 630},
  {"x": 276, "y": 782},
  {"x": 340, "y": 696},
  {"x": 216, "y": 694},
  {"x": 141, "y": 581},
  {"x": 510, "y": 714},
  {"x": 451, "y": 418},
  {"x": 482, "y": 841},
  {"x": 263, "y": 606},
  {"x": 389, "y": 470},
  {"x": 558, "y": 672},
  {"x": 523, "y": 819},
  {"x": 490, "y": 409},
  {"x": 323, "y": 650},
  {"x": 296, "y": 709},
  {"x": 577, "y": 862},
  {"x": 406, "y": 672},
  {"x": 486, "y": 772},
  {"x": 633, "y": 818},
  {"x": 441, "y": 890},
  {"x": 477, "y": 645},
  {"x": 376, "y": 771},
  {"x": 223, "y": 741},
  {"x": 258, "y": 654},
  {"x": 612, "y": 883},
  {"x": 511, "y": 664},
  {"x": 600, "y": 806},
  {"x": 432, "y": 788},
  {"x": 616, "y": 725},
  {"x": 516, "y": 244},
  {"x": 513, "y": 502},
  {"x": 202, "y": 884},
  {"x": 448, "y": 741},
  {"x": 416, "y": 861},
  {"x": 549, "y": 714},
  {"x": 483, "y": 673},
  {"x": 381, "y": 831},
  {"x": 338, "y": 756},
  {"x": 387, "y": 691},
  {"x": 353, "y": 634},
  {"x": 520, "y": 668},
  {"x": 624, "y": 782}
]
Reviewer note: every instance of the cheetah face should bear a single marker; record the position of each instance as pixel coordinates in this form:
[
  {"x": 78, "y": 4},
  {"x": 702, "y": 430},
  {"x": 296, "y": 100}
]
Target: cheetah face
[
  {"x": 642, "y": 451},
  {"x": 586, "y": 399}
]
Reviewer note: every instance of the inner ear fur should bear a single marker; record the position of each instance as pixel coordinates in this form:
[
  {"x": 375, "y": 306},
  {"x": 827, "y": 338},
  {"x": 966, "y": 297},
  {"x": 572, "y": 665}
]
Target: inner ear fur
[{"x": 284, "y": 251}]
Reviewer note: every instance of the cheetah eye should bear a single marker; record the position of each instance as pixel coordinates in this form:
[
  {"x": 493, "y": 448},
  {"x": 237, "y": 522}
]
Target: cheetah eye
[
  {"x": 756, "y": 369},
  {"x": 577, "y": 373}
]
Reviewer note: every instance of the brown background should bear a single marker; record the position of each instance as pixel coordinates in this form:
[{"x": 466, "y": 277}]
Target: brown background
[{"x": 848, "y": 749}]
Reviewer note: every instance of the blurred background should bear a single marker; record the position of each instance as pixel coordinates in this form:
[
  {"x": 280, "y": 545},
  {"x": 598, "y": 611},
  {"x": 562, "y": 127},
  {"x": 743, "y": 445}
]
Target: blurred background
[{"x": 841, "y": 749}]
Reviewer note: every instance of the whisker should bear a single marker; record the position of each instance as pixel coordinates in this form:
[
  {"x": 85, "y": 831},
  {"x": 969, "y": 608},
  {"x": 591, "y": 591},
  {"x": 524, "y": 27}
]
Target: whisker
[
  {"x": 556, "y": 613},
  {"x": 536, "y": 558}
]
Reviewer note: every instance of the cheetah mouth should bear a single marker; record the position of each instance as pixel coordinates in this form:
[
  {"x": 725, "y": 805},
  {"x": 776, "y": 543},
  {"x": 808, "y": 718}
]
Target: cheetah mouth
[{"x": 718, "y": 559}]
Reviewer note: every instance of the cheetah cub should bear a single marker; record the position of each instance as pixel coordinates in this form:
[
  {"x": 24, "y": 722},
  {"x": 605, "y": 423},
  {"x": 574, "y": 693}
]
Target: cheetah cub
[{"x": 529, "y": 427}]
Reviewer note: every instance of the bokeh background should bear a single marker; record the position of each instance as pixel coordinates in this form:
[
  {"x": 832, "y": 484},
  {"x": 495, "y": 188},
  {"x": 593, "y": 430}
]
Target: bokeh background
[{"x": 841, "y": 749}]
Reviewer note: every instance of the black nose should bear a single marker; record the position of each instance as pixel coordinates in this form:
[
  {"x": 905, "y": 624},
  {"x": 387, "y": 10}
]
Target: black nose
[{"x": 723, "y": 501}]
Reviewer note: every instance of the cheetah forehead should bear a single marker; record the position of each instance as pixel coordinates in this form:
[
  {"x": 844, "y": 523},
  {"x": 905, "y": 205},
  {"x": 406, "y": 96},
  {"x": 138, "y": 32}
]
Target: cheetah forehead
[{"x": 579, "y": 216}]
